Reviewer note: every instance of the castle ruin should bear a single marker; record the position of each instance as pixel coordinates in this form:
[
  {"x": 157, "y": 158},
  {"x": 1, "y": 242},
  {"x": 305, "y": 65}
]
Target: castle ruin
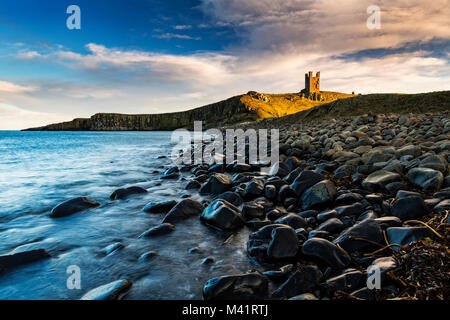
[{"x": 312, "y": 87}]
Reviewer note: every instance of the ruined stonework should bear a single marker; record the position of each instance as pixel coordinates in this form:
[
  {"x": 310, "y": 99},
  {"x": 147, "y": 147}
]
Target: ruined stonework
[{"x": 312, "y": 87}]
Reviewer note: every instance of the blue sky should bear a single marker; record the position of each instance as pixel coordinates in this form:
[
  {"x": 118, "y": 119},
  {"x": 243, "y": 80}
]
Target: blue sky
[{"x": 154, "y": 56}]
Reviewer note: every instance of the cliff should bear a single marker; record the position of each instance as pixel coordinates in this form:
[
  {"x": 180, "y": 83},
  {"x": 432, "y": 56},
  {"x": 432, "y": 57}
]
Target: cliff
[{"x": 239, "y": 109}]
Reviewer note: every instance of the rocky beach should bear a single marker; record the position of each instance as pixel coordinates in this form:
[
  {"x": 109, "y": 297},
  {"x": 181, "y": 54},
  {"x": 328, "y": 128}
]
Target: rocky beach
[{"x": 349, "y": 198}]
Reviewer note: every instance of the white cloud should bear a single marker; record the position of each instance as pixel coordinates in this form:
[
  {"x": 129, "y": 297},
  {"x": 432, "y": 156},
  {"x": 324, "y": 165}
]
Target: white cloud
[
  {"x": 182, "y": 27},
  {"x": 175, "y": 36},
  {"x": 9, "y": 87}
]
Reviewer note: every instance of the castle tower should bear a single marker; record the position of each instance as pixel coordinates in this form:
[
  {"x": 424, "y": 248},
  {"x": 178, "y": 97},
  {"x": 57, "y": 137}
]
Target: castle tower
[{"x": 312, "y": 84}]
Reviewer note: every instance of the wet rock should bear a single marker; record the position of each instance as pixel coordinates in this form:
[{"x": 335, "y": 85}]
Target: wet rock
[
  {"x": 378, "y": 180},
  {"x": 280, "y": 275},
  {"x": 350, "y": 210},
  {"x": 331, "y": 225},
  {"x": 292, "y": 220},
  {"x": 223, "y": 215},
  {"x": 192, "y": 185},
  {"x": 304, "y": 297},
  {"x": 434, "y": 162},
  {"x": 350, "y": 239},
  {"x": 427, "y": 179},
  {"x": 186, "y": 208},
  {"x": 388, "y": 222},
  {"x": 305, "y": 180},
  {"x": 110, "y": 291},
  {"x": 113, "y": 248},
  {"x": 280, "y": 169},
  {"x": 273, "y": 242},
  {"x": 322, "y": 234},
  {"x": 231, "y": 197},
  {"x": 304, "y": 280},
  {"x": 208, "y": 260},
  {"x": 412, "y": 150},
  {"x": 270, "y": 191},
  {"x": 159, "y": 230},
  {"x": 121, "y": 194},
  {"x": 73, "y": 206},
  {"x": 406, "y": 235},
  {"x": 252, "y": 211},
  {"x": 216, "y": 184},
  {"x": 347, "y": 281},
  {"x": 160, "y": 207},
  {"x": 348, "y": 198},
  {"x": 148, "y": 255},
  {"x": 246, "y": 286},
  {"x": 344, "y": 171},
  {"x": 326, "y": 252},
  {"x": 410, "y": 207},
  {"x": 21, "y": 258},
  {"x": 442, "y": 206},
  {"x": 254, "y": 188},
  {"x": 319, "y": 194}
]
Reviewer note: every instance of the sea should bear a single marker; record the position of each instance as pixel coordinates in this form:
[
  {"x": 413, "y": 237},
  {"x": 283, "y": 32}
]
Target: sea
[{"x": 39, "y": 170}]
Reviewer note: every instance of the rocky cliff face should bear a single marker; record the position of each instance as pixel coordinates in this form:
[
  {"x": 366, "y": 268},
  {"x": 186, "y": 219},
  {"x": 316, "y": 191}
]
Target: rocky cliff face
[{"x": 239, "y": 109}]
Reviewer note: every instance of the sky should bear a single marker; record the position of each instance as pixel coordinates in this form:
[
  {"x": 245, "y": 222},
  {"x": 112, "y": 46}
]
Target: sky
[{"x": 155, "y": 56}]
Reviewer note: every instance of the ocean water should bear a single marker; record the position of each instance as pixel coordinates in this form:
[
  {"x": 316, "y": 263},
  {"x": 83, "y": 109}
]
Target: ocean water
[{"x": 39, "y": 170}]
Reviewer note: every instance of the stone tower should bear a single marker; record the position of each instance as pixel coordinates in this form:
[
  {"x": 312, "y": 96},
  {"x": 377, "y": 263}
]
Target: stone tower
[{"x": 312, "y": 84}]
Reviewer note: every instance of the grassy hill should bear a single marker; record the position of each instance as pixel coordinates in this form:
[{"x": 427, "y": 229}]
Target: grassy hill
[
  {"x": 374, "y": 103},
  {"x": 239, "y": 109}
]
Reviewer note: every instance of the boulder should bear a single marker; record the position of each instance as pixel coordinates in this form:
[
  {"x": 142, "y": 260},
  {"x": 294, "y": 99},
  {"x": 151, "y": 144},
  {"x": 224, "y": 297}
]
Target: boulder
[
  {"x": 216, "y": 184},
  {"x": 349, "y": 280},
  {"x": 159, "y": 230},
  {"x": 409, "y": 208},
  {"x": 305, "y": 180},
  {"x": 254, "y": 188},
  {"x": 253, "y": 211},
  {"x": 231, "y": 197},
  {"x": 434, "y": 162},
  {"x": 304, "y": 280},
  {"x": 293, "y": 220},
  {"x": 319, "y": 194},
  {"x": 251, "y": 285},
  {"x": 73, "y": 206},
  {"x": 406, "y": 235},
  {"x": 21, "y": 258},
  {"x": 326, "y": 252},
  {"x": 378, "y": 180},
  {"x": 425, "y": 178},
  {"x": 223, "y": 215},
  {"x": 160, "y": 207},
  {"x": 350, "y": 239},
  {"x": 186, "y": 208},
  {"x": 124, "y": 193},
  {"x": 331, "y": 225},
  {"x": 110, "y": 291}
]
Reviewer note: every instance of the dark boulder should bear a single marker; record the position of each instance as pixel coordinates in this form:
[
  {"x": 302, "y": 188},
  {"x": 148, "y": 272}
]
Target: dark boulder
[
  {"x": 217, "y": 184},
  {"x": 319, "y": 194},
  {"x": 73, "y": 206},
  {"x": 253, "y": 211},
  {"x": 246, "y": 286},
  {"x": 160, "y": 207},
  {"x": 360, "y": 236},
  {"x": 121, "y": 194},
  {"x": 406, "y": 235},
  {"x": 326, "y": 252},
  {"x": 186, "y": 208},
  {"x": 159, "y": 230},
  {"x": 223, "y": 215},
  {"x": 304, "y": 280},
  {"x": 293, "y": 220},
  {"x": 110, "y": 291},
  {"x": 22, "y": 258},
  {"x": 347, "y": 281},
  {"x": 407, "y": 208},
  {"x": 305, "y": 180}
]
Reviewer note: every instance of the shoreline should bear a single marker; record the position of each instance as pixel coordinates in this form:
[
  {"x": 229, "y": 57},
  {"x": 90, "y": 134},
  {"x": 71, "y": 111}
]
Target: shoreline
[{"x": 347, "y": 195}]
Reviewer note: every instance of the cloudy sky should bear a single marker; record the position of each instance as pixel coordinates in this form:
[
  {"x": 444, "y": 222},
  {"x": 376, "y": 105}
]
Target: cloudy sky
[{"x": 154, "y": 56}]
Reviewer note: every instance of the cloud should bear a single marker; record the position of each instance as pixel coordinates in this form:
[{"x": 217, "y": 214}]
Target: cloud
[
  {"x": 15, "y": 118},
  {"x": 329, "y": 26},
  {"x": 175, "y": 36},
  {"x": 9, "y": 87},
  {"x": 182, "y": 27}
]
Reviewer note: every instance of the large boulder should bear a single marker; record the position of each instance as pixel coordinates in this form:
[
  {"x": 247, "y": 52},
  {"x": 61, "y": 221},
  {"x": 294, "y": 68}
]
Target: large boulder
[
  {"x": 406, "y": 235},
  {"x": 305, "y": 180},
  {"x": 410, "y": 207},
  {"x": 254, "y": 188},
  {"x": 378, "y": 180},
  {"x": 360, "y": 236},
  {"x": 231, "y": 197},
  {"x": 347, "y": 281},
  {"x": 425, "y": 178},
  {"x": 217, "y": 184},
  {"x": 124, "y": 193},
  {"x": 162, "y": 229},
  {"x": 184, "y": 209},
  {"x": 20, "y": 258},
  {"x": 110, "y": 291},
  {"x": 223, "y": 215},
  {"x": 435, "y": 162},
  {"x": 73, "y": 206},
  {"x": 273, "y": 242},
  {"x": 319, "y": 194},
  {"x": 251, "y": 285},
  {"x": 326, "y": 252},
  {"x": 160, "y": 207},
  {"x": 304, "y": 280},
  {"x": 411, "y": 150},
  {"x": 293, "y": 220}
]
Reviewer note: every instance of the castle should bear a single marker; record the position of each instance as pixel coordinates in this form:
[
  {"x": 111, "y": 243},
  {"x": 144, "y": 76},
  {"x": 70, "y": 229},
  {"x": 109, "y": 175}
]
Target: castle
[{"x": 312, "y": 87}]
